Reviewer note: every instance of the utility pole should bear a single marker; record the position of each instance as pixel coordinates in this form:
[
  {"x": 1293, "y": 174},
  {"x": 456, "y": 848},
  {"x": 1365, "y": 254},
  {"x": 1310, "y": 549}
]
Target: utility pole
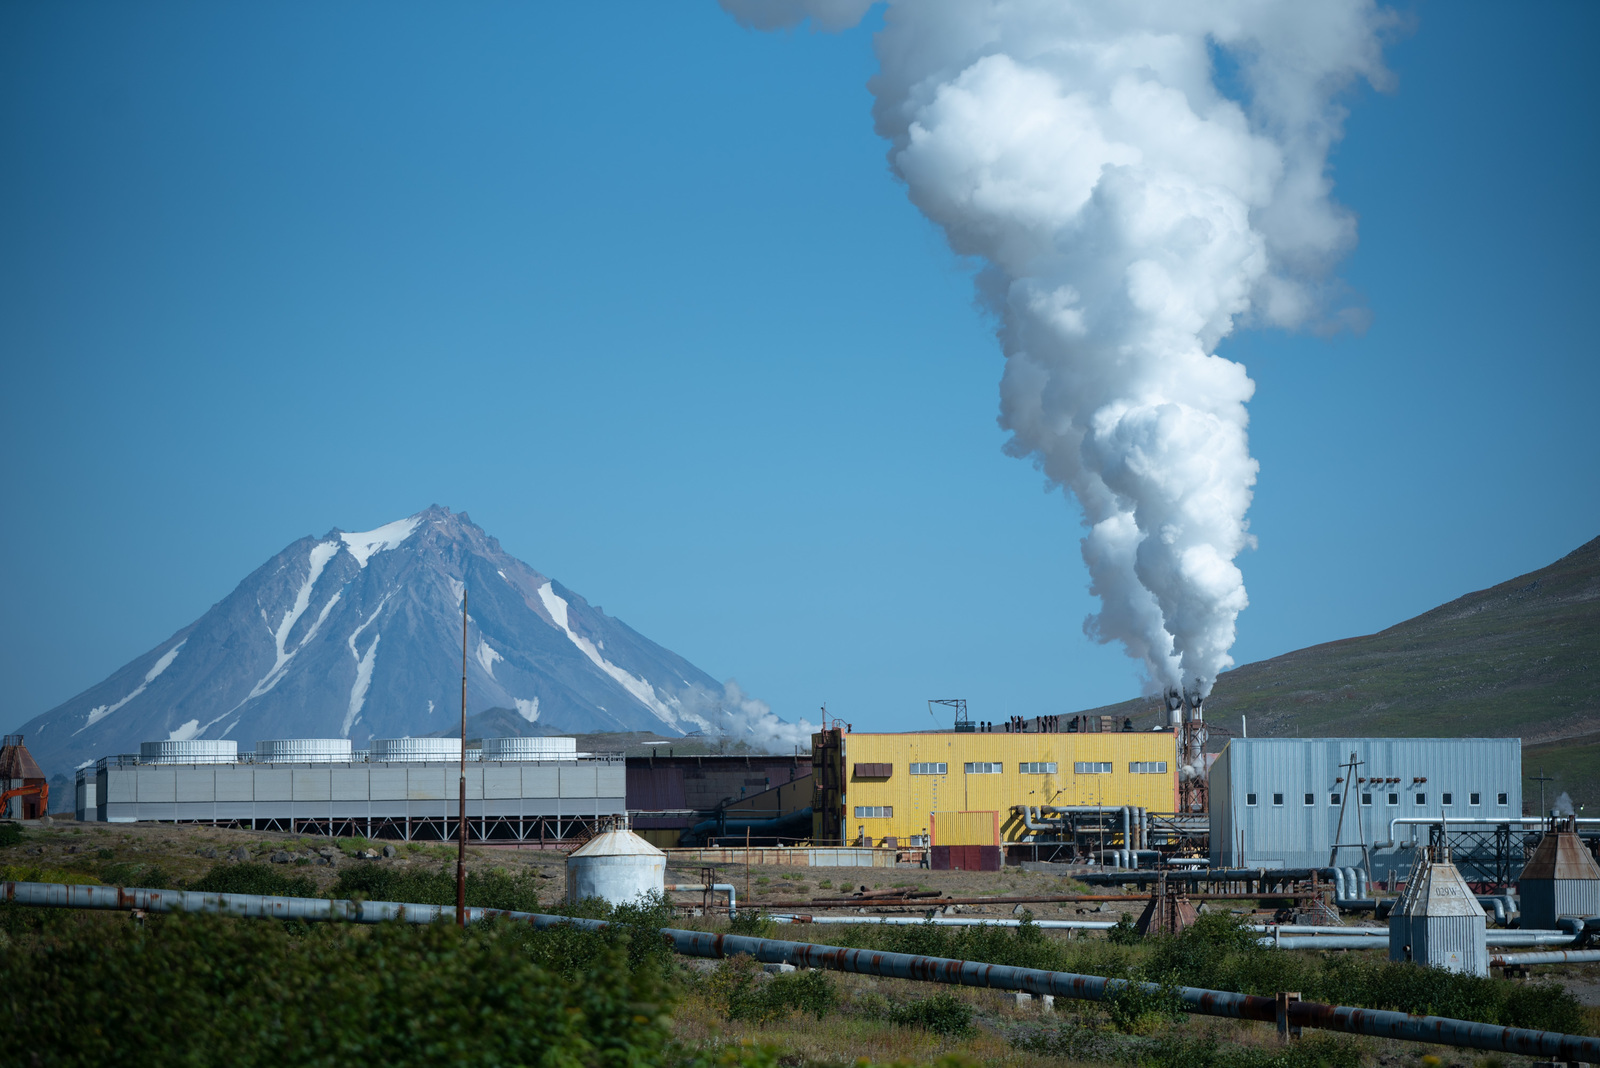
[
  {"x": 461, "y": 850},
  {"x": 1541, "y": 779}
]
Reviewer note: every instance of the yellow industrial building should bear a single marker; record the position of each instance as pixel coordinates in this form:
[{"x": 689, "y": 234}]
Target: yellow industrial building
[{"x": 950, "y": 788}]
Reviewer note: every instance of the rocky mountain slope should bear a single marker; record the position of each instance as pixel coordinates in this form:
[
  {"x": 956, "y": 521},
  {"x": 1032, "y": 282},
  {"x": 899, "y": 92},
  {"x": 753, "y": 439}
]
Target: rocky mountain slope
[{"x": 358, "y": 635}]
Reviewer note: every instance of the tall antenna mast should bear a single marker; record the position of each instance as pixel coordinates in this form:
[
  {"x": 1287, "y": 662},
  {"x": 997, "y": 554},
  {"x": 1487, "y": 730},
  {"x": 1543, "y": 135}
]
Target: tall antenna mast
[{"x": 461, "y": 849}]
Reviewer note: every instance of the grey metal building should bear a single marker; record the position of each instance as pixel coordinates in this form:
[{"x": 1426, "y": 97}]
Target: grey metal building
[
  {"x": 1276, "y": 802},
  {"x": 507, "y": 800}
]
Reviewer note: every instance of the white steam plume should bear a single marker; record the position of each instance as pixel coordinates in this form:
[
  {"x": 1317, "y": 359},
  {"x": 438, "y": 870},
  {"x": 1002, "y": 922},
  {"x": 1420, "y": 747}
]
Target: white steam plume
[
  {"x": 737, "y": 716},
  {"x": 1128, "y": 214}
]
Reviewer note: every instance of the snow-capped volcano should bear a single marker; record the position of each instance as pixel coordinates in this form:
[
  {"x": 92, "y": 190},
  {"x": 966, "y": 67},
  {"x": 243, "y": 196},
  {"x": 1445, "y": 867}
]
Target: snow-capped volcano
[{"x": 358, "y": 635}]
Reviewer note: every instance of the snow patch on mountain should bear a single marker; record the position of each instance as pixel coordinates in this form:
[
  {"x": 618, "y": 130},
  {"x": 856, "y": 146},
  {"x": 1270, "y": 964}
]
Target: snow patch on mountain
[
  {"x": 487, "y": 657},
  {"x": 185, "y": 732},
  {"x": 362, "y": 546},
  {"x": 321, "y": 553},
  {"x": 639, "y": 688},
  {"x": 364, "y": 663},
  {"x": 528, "y": 710},
  {"x": 100, "y": 712}
]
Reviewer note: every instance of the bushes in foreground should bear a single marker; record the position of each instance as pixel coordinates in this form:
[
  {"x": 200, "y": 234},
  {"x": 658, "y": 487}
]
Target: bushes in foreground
[
  {"x": 204, "y": 990},
  {"x": 497, "y": 889}
]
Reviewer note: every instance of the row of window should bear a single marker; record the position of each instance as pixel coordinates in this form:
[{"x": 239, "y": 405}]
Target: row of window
[
  {"x": 1445, "y": 799},
  {"x": 874, "y": 812},
  {"x": 1044, "y": 767}
]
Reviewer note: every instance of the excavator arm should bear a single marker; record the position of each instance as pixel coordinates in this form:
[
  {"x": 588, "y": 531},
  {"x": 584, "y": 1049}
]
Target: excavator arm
[{"x": 38, "y": 789}]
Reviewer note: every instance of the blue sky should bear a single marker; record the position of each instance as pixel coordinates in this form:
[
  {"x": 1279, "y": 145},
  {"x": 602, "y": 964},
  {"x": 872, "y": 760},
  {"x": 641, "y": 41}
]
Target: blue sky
[{"x": 635, "y": 288}]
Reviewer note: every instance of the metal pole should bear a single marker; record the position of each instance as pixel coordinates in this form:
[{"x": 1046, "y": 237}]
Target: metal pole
[{"x": 461, "y": 849}]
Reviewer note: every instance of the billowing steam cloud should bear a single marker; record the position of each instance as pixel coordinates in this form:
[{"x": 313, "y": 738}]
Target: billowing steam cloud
[
  {"x": 739, "y": 717},
  {"x": 1128, "y": 213}
]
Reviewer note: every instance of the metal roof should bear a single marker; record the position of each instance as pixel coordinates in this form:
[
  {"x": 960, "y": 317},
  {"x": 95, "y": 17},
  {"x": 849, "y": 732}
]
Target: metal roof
[
  {"x": 616, "y": 844},
  {"x": 1436, "y": 889},
  {"x": 16, "y": 762},
  {"x": 1561, "y": 854}
]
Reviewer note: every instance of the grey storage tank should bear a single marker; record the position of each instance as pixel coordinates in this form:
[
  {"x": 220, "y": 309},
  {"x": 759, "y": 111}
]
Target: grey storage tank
[
  {"x": 1437, "y": 921},
  {"x": 1560, "y": 879},
  {"x": 617, "y": 867}
]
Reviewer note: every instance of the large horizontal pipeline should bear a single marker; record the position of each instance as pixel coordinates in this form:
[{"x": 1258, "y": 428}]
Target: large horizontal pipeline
[
  {"x": 1023, "y": 899},
  {"x": 1357, "y": 942},
  {"x": 1555, "y": 956},
  {"x": 964, "y": 921},
  {"x": 1205, "y": 875},
  {"x": 1380, "y": 1023}
]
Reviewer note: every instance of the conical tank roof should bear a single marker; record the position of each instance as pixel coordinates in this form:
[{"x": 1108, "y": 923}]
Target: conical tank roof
[
  {"x": 1561, "y": 854},
  {"x": 1436, "y": 888},
  {"x": 616, "y": 844}
]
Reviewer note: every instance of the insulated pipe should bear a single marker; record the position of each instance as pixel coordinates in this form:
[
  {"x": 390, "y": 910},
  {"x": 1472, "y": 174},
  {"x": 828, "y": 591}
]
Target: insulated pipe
[
  {"x": 941, "y": 921},
  {"x": 1383, "y": 1024},
  {"x": 1367, "y": 942},
  {"x": 1553, "y": 956},
  {"x": 701, "y": 888},
  {"x": 1426, "y": 821}
]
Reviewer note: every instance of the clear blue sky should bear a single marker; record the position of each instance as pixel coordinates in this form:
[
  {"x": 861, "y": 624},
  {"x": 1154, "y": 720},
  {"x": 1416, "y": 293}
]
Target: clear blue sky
[{"x": 635, "y": 288}]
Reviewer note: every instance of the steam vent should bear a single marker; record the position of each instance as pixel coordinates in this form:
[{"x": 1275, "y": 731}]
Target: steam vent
[{"x": 1560, "y": 879}]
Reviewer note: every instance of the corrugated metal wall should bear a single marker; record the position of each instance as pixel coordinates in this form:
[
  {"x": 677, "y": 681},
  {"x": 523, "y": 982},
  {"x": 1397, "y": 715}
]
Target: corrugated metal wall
[
  {"x": 358, "y": 791},
  {"x": 1287, "y": 832},
  {"x": 913, "y": 797},
  {"x": 964, "y": 828}
]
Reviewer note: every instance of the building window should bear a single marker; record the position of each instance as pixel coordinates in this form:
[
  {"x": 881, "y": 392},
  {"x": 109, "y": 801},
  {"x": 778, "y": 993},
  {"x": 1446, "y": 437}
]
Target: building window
[
  {"x": 1502, "y": 800},
  {"x": 1147, "y": 767},
  {"x": 1422, "y": 799},
  {"x": 1311, "y": 799},
  {"x": 874, "y": 812},
  {"x": 1277, "y": 799},
  {"x": 1394, "y": 799},
  {"x": 1092, "y": 767},
  {"x": 1037, "y": 767},
  {"x": 930, "y": 769},
  {"x": 981, "y": 768},
  {"x": 1366, "y": 799},
  {"x": 1250, "y": 799},
  {"x": 1445, "y": 799},
  {"x": 1474, "y": 799},
  {"x": 1333, "y": 799}
]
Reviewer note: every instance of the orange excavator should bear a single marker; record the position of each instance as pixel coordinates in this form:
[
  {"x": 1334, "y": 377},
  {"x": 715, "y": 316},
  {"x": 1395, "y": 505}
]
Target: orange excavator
[
  {"x": 18, "y": 766},
  {"x": 41, "y": 790}
]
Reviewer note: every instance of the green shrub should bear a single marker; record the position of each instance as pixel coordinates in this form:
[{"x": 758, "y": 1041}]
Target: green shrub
[
  {"x": 754, "y": 923},
  {"x": 143, "y": 876},
  {"x": 1125, "y": 933},
  {"x": 1139, "y": 1008},
  {"x": 746, "y": 993},
  {"x": 10, "y": 834},
  {"x": 497, "y": 889},
  {"x": 943, "y": 1014},
  {"x": 196, "y": 990},
  {"x": 249, "y": 878},
  {"x": 813, "y": 992}
]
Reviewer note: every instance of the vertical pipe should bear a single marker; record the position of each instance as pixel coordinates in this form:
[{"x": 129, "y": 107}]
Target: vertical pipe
[{"x": 461, "y": 848}]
